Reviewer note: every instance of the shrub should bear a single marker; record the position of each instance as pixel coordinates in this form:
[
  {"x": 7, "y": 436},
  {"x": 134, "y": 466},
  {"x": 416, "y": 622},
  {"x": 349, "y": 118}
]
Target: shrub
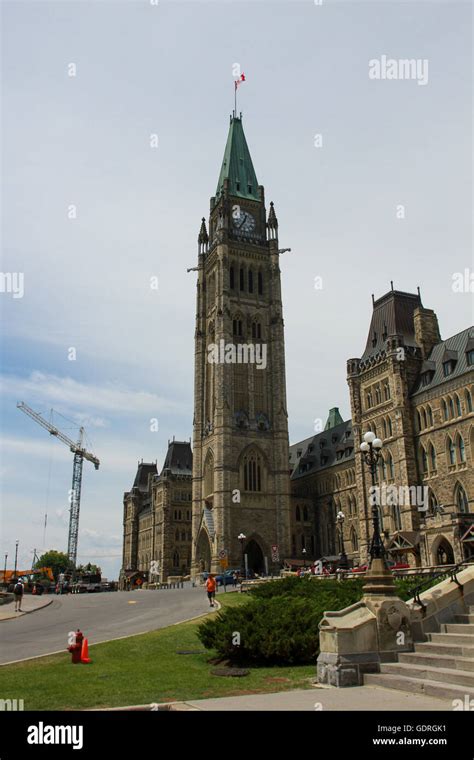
[{"x": 281, "y": 626}]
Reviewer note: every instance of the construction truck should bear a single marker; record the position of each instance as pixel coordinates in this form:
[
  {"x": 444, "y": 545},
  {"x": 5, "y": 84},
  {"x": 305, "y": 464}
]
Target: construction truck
[{"x": 31, "y": 579}]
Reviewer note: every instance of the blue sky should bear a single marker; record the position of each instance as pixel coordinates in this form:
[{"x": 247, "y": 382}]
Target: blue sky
[{"x": 144, "y": 69}]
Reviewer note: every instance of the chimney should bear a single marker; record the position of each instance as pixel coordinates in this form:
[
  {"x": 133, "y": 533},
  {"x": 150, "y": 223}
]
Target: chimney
[{"x": 426, "y": 330}]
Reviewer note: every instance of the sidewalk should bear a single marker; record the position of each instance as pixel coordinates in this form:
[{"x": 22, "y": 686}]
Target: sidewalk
[
  {"x": 322, "y": 699},
  {"x": 29, "y": 604}
]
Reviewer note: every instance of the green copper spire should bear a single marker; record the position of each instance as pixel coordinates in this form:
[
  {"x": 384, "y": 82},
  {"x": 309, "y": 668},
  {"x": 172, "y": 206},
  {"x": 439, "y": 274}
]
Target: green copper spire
[
  {"x": 237, "y": 165},
  {"x": 333, "y": 419}
]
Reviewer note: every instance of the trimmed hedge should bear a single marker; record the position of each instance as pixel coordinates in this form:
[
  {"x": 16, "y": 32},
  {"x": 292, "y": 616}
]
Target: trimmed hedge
[
  {"x": 281, "y": 626},
  {"x": 279, "y": 622}
]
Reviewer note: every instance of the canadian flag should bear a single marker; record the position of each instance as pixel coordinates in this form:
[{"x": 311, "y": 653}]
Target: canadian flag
[{"x": 239, "y": 80}]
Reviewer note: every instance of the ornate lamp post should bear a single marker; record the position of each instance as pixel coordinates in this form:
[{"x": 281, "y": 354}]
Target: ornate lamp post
[
  {"x": 343, "y": 563},
  {"x": 371, "y": 451},
  {"x": 242, "y": 538},
  {"x": 303, "y": 552}
]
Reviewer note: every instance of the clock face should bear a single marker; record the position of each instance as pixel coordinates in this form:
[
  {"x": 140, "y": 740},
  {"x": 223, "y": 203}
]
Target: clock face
[{"x": 244, "y": 223}]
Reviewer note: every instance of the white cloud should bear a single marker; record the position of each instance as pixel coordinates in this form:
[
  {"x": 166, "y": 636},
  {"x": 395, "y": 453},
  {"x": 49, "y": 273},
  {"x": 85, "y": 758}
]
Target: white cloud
[{"x": 109, "y": 397}]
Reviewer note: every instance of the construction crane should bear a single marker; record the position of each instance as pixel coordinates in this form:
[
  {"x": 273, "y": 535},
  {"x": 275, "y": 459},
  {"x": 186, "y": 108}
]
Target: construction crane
[{"x": 80, "y": 454}]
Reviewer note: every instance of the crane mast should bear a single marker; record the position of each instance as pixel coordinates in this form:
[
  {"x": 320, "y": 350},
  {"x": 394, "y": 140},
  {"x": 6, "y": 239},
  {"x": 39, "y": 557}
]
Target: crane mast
[{"x": 80, "y": 453}]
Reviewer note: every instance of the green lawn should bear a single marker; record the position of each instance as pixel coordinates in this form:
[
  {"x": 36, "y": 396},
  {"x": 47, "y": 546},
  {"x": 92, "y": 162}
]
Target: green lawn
[{"x": 140, "y": 670}]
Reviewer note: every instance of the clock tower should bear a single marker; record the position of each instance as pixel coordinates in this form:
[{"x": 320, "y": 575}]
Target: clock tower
[{"x": 241, "y": 482}]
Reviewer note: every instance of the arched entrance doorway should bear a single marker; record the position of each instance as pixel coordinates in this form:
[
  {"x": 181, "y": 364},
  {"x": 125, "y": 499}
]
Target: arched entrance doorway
[
  {"x": 203, "y": 552},
  {"x": 443, "y": 553},
  {"x": 255, "y": 557}
]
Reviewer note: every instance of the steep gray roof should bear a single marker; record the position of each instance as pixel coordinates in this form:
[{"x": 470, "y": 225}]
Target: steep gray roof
[
  {"x": 179, "y": 458},
  {"x": 454, "y": 349},
  {"x": 321, "y": 451},
  {"x": 392, "y": 315},
  {"x": 141, "y": 478}
]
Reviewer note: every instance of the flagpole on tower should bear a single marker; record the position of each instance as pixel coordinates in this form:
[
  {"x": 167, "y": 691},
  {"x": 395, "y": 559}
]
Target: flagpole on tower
[{"x": 236, "y": 85}]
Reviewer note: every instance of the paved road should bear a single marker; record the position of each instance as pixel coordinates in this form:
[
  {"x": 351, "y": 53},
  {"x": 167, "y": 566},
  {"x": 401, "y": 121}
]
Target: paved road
[{"x": 100, "y": 617}]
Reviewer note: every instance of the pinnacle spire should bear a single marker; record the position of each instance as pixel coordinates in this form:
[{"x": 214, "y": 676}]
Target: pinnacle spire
[
  {"x": 203, "y": 237},
  {"x": 237, "y": 166}
]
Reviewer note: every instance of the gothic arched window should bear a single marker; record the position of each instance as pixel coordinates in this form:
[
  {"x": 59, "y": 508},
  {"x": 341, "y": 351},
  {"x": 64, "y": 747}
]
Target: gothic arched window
[
  {"x": 461, "y": 449},
  {"x": 260, "y": 284},
  {"x": 430, "y": 416},
  {"x": 424, "y": 460},
  {"x": 242, "y": 279},
  {"x": 305, "y": 514},
  {"x": 250, "y": 281},
  {"x": 458, "y": 405},
  {"x": 460, "y": 498},
  {"x": 298, "y": 514},
  {"x": 444, "y": 407},
  {"x": 451, "y": 452},
  {"x": 232, "y": 278},
  {"x": 354, "y": 542},
  {"x": 252, "y": 472},
  {"x": 432, "y": 502},
  {"x": 432, "y": 457},
  {"x": 468, "y": 397}
]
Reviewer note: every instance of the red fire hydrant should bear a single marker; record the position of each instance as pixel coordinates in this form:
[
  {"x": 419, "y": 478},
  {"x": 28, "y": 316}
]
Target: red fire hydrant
[{"x": 76, "y": 647}]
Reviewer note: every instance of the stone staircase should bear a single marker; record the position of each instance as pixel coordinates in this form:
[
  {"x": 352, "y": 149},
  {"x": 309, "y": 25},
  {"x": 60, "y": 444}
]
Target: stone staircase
[{"x": 441, "y": 667}]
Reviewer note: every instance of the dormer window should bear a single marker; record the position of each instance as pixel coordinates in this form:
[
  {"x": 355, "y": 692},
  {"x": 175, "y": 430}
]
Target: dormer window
[
  {"x": 238, "y": 185},
  {"x": 448, "y": 367},
  {"x": 470, "y": 357},
  {"x": 249, "y": 188},
  {"x": 426, "y": 378},
  {"x": 374, "y": 340},
  {"x": 298, "y": 453}
]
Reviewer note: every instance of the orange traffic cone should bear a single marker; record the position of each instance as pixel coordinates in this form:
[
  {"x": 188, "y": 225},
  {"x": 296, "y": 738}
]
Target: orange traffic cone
[{"x": 85, "y": 652}]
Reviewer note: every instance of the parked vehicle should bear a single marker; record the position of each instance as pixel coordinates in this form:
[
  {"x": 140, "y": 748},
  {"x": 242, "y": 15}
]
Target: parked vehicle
[{"x": 391, "y": 564}]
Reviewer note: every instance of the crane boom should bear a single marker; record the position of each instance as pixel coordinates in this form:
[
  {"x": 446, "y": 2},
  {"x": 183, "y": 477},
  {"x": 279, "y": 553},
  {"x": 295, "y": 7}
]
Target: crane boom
[
  {"x": 80, "y": 453},
  {"x": 73, "y": 446}
]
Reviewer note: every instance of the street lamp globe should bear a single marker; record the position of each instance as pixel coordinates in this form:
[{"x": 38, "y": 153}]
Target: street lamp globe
[
  {"x": 369, "y": 437},
  {"x": 377, "y": 444},
  {"x": 364, "y": 447},
  {"x": 241, "y": 537}
]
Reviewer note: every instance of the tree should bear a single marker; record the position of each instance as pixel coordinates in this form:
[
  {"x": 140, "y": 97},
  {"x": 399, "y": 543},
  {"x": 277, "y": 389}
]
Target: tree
[
  {"x": 89, "y": 568},
  {"x": 57, "y": 561}
]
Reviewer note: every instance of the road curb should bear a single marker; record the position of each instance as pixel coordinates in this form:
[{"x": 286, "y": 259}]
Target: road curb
[{"x": 16, "y": 615}]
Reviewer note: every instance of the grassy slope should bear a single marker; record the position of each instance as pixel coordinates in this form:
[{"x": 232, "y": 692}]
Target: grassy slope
[{"x": 139, "y": 670}]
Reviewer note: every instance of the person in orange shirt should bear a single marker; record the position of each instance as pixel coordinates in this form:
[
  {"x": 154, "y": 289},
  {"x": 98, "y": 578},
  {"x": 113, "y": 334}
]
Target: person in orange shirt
[{"x": 211, "y": 589}]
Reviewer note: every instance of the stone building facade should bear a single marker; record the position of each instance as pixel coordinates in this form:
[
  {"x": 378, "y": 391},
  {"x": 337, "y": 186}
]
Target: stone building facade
[
  {"x": 416, "y": 393},
  {"x": 414, "y": 390},
  {"x": 241, "y": 484},
  {"x": 157, "y": 518}
]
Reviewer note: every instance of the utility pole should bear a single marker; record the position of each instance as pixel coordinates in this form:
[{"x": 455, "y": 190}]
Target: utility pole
[{"x": 16, "y": 557}]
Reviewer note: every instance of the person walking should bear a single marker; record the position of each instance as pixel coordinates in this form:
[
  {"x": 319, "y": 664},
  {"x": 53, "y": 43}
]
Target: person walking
[
  {"x": 18, "y": 594},
  {"x": 211, "y": 589}
]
